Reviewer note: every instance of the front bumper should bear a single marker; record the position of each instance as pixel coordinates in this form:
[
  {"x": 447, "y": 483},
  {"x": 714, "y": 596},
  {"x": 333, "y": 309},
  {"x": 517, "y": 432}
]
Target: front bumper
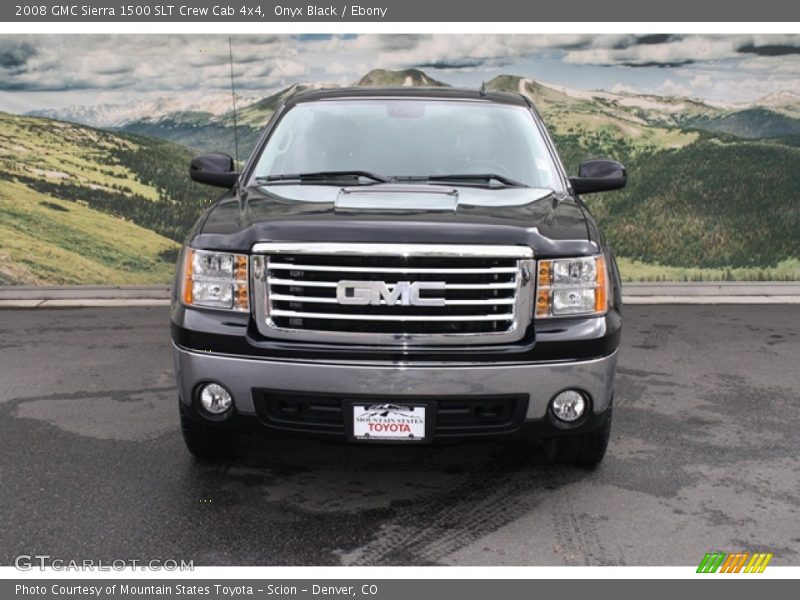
[{"x": 536, "y": 383}]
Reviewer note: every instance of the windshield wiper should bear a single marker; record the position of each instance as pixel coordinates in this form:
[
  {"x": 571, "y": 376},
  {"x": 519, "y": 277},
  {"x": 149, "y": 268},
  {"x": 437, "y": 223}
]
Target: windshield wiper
[
  {"x": 325, "y": 177},
  {"x": 488, "y": 178}
]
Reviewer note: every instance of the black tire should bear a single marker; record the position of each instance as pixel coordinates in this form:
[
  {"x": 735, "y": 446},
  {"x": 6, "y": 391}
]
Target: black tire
[
  {"x": 581, "y": 450},
  {"x": 204, "y": 442}
]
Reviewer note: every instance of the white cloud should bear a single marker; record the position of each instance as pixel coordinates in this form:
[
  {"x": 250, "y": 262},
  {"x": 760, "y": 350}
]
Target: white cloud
[
  {"x": 112, "y": 67},
  {"x": 674, "y": 52},
  {"x": 475, "y": 50},
  {"x": 702, "y": 80},
  {"x": 146, "y": 63},
  {"x": 620, "y": 88},
  {"x": 286, "y": 69},
  {"x": 336, "y": 68},
  {"x": 688, "y": 49},
  {"x": 673, "y": 88}
]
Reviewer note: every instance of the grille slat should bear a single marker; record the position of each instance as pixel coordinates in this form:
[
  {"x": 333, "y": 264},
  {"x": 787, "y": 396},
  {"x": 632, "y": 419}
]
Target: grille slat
[
  {"x": 485, "y": 297},
  {"x": 367, "y": 317},
  {"x": 504, "y": 285},
  {"x": 376, "y": 270},
  {"x": 332, "y": 300}
]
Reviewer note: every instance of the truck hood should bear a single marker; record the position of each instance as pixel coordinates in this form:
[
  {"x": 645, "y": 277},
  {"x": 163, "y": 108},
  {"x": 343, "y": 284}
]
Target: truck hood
[{"x": 552, "y": 224}]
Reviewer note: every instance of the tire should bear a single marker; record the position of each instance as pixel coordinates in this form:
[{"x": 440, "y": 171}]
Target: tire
[
  {"x": 204, "y": 442},
  {"x": 581, "y": 450}
]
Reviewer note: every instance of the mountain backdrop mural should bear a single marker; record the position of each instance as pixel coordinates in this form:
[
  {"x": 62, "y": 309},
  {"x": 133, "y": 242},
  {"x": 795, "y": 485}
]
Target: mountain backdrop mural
[{"x": 98, "y": 192}]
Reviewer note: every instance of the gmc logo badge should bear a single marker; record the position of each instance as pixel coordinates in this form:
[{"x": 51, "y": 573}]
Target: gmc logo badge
[{"x": 404, "y": 293}]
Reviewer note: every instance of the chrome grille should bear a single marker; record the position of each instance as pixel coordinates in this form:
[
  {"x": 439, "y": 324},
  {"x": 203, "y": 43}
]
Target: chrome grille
[{"x": 487, "y": 292}]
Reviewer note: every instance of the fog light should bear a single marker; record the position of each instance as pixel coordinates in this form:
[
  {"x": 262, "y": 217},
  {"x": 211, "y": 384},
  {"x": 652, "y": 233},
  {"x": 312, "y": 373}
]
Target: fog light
[
  {"x": 569, "y": 405},
  {"x": 215, "y": 398}
]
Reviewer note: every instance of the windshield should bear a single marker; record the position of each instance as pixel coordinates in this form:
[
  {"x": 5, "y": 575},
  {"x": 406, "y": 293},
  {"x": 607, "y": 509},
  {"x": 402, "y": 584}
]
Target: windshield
[{"x": 409, "y": 139}]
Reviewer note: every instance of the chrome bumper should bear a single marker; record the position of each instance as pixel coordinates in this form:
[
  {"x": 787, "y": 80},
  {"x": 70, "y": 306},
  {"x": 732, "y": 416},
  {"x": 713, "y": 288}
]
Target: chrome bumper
[{"x": 541, "y": 381}]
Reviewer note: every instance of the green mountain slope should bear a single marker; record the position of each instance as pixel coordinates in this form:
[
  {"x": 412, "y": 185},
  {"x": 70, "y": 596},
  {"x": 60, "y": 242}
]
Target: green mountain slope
[
  {"x": 80, "y": 205},
  {"x": 632, "y": 112},
  {"x": 750, "y": 123},
  {"x": 201, "y": 137},
  {"x": 588, "y": 125},
  {"x": 44, "y": 240},
  {"x": 709, "y": 204}
]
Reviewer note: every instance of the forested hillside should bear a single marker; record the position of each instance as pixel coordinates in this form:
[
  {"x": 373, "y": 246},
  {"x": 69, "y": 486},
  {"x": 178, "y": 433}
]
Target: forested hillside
[
  {"x": 80, "y": 205},
  {"x": 709, "y": 204}
]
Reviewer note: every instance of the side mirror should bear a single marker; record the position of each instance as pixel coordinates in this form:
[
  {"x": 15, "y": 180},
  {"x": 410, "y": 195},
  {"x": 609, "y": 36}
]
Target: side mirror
[
  {"x": 214, "y": 169},
  {"x": 599, "y": 175}
]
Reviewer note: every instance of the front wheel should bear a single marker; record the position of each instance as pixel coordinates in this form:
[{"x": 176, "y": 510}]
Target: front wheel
[
  {"x": 581, "y": 450},
  {"x": 204, "y": 442}
]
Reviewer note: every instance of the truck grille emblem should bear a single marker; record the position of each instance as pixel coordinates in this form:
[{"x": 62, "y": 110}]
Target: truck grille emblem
[{"x": 404, "y": 293}]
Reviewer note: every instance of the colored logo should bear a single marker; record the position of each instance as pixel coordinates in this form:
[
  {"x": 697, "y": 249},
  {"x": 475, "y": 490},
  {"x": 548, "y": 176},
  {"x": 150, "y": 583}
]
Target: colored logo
[{"x": 736, "y": 562}]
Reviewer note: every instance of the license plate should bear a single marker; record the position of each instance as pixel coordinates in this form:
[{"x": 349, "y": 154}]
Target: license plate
[{"x": 386, "y": 421}]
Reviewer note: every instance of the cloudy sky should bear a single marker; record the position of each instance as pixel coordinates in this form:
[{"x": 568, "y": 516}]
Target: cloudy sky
[{"x": 53, "y": 71}]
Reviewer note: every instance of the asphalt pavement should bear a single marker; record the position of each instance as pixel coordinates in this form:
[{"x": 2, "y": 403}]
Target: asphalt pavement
[{"x": 703, "y": 457}]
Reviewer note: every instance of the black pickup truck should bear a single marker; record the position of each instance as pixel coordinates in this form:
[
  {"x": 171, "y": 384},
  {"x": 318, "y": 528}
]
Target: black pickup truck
[{"x": 399, "y": 266}]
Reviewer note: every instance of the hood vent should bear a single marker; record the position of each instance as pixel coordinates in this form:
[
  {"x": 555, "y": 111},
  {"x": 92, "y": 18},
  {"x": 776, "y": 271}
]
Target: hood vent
[{"x": 404, "y": 198}]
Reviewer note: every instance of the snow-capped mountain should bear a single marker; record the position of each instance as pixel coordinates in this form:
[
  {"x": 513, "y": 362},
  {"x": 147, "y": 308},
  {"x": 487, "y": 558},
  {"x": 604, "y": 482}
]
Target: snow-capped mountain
[
  {"x": 119, "y": 115},
  {"x": 781, "y": 99},
  {"x": 207, "y": 123}
]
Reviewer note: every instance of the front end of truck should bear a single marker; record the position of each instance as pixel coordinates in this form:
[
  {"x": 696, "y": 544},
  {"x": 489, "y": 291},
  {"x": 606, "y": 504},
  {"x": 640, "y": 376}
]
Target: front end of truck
[{"x": 400, "y": 313}]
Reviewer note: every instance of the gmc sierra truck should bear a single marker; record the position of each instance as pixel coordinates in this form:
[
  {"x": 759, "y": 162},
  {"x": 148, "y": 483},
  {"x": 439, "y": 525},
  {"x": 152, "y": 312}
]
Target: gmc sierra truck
[{"x": 399, "y": 266}]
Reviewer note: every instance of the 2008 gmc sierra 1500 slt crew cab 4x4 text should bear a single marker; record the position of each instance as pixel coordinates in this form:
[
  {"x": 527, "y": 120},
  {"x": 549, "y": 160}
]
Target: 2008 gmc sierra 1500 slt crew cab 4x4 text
[{"x": 399, "y": 266}]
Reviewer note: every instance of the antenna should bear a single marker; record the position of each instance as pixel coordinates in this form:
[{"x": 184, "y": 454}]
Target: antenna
[{"x": 233, "y": 101}]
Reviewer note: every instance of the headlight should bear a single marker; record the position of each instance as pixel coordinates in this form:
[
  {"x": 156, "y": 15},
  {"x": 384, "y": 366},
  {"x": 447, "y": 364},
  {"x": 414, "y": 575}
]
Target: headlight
[
  {"x": 571, "y": 286},
  {"x": 215, "y": 280}
]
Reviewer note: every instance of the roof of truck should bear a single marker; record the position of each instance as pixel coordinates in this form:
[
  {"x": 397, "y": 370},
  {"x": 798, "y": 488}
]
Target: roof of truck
[{"x": 406, "y": 92}]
